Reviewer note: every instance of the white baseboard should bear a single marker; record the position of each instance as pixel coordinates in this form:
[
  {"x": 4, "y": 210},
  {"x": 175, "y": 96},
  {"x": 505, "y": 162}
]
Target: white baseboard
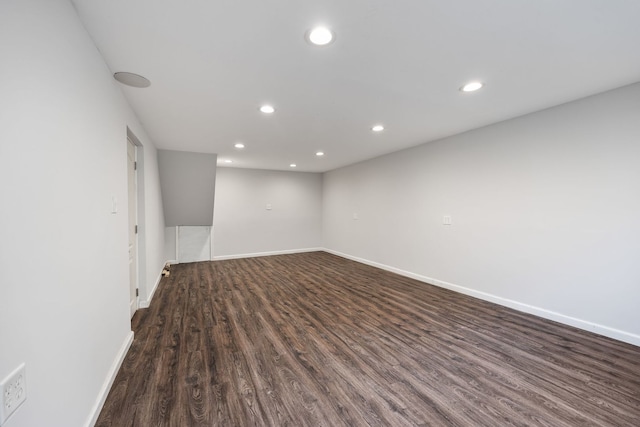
[
  {"x": 111, "y": 376},
  {"x": 526, "y": 308},
  {"x": 259, "y": 254},
  {"x": 147, "y": 302}
]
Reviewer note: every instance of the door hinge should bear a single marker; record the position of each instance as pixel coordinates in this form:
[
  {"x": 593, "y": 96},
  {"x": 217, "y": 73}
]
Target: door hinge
[
  {"x": 135, "y": 166},
  {"x": 137, "y": 291},
  {"x": 136, "y": 232}
]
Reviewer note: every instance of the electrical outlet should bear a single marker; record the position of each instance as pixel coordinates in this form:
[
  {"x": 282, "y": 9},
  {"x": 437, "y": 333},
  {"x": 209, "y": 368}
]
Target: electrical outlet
[
  {"x": 446, "y": 220},
  {"x": 14, "y": 392}
]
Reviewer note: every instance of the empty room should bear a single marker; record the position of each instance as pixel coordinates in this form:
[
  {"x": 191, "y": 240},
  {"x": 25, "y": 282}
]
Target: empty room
[{"x": 319, "y": 213}]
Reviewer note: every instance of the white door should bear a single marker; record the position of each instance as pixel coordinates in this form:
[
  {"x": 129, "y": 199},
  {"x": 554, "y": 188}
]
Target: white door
[{"x": 133, "y": 216}]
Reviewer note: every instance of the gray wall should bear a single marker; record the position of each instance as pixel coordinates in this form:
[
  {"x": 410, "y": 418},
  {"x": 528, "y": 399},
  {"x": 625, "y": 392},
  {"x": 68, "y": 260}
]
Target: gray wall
[
  {"x": 188, "y": 187},
  {"x": 242, "y": 223},
  {"x": 545, "y": 212}
]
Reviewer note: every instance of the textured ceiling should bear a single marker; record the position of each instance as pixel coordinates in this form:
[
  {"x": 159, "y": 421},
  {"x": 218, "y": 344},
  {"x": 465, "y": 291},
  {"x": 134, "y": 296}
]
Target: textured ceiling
[{"x": 399, "y": 63}]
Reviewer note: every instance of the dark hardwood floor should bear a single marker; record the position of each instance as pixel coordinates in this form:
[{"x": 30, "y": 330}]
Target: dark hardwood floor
[{"x": 316, "y": 340}]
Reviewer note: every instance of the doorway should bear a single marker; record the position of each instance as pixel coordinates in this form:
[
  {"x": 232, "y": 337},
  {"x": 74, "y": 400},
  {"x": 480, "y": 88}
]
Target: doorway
[{"x": 133, "y": 226}]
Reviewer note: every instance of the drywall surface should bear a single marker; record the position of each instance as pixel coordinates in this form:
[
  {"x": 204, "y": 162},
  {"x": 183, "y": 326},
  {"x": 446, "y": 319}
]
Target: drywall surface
[
  {"x": 170, "y": 248},
  {"x": 188, "y": 186},
  {"x": 544, "y": 212},
  {"x": 64, "y": 289},
  {"x": 188, "y": 243},
  {"x": 194, "y": 243},
  {"x": 153, "y": 220},
  {"x": 244, "y": 225}
]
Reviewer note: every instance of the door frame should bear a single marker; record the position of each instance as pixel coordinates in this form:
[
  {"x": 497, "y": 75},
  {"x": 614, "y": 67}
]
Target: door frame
[
  {"x": 144, "y": 290},
  {"x": 134, "y": 280}
]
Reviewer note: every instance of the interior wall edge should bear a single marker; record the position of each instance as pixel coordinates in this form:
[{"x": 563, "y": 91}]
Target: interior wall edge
[
  {"x": 603, "y": 330},
  {"x": 111, "y": 376}
]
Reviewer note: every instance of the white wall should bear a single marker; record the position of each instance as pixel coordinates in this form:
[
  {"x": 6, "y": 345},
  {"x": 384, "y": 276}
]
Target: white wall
[
  {"x": 63, "y": 254},
  {"x": 194, "y": 243},
  {"x": 174, "y": 239},
  {"x": 545, "y": 211},
  {"x": 170, "y": 248},
  {"x": 241, "y": 223}
]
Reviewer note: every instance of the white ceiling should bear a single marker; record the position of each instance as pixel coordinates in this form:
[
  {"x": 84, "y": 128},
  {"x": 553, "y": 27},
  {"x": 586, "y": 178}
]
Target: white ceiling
[{"x": 212, "y": 63}]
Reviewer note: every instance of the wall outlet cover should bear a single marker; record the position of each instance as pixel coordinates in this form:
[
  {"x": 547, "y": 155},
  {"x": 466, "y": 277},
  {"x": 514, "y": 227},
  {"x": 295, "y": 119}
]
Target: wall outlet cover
[{"x": 14, "y": 392}]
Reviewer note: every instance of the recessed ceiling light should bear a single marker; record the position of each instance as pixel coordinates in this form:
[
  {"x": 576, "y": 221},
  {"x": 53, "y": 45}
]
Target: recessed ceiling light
[
  {"x": 377, "y": 128},
  {"x": 239, "y": 145},
  {"x": 293, "y": 165},
  {"x": 228, "y": 161},
  {"x": 320, "y": 154},
  {"x": 320, "y": 36},
  {"x": 471, "y": 86},
  {"x": 131, "y": 79},
  {"x": 267, "y": 109}
]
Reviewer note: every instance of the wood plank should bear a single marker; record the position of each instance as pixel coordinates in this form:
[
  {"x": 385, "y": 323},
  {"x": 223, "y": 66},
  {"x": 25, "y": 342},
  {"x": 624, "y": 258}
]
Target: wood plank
[{"x": 317, "y": 340}]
